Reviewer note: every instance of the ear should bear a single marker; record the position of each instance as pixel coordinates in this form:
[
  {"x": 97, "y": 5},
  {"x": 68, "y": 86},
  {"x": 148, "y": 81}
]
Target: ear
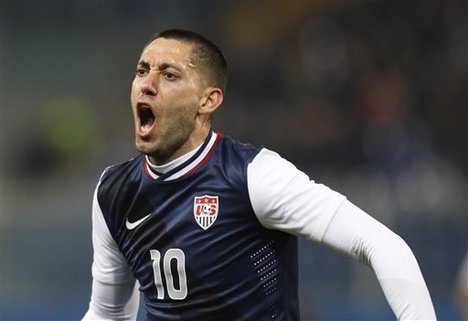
[{"x": 212, "y": 98}]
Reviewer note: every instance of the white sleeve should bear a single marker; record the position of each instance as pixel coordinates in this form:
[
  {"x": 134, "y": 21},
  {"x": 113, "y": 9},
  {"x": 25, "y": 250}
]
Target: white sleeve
[
  {"x": 354, "y": 232},
  {"x": 115, "y": 294},
  {"x": 284, "y": 198}
]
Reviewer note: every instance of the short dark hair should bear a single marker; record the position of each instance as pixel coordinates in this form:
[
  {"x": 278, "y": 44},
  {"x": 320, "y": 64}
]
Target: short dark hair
[{"x": 204, "y": 53}]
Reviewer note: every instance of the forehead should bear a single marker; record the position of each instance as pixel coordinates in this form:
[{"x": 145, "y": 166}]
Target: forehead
[{"x": 163, "y": 49}]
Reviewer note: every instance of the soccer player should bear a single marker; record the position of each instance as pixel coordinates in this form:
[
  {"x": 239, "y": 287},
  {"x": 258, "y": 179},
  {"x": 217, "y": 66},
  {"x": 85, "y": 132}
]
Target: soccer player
[{"x": 206, "y": 227}]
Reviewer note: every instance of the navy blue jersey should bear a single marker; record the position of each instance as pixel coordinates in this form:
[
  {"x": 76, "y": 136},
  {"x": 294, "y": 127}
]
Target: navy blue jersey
[{"x": 194, "y": 242}]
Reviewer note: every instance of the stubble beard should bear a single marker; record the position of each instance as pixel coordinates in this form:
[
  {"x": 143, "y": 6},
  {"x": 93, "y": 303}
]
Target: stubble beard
[{"x": 171, "y": 141}]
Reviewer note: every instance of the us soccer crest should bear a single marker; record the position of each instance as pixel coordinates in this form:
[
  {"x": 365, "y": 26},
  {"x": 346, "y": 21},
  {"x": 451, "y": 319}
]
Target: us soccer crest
[{"x": 205, "y": 210}]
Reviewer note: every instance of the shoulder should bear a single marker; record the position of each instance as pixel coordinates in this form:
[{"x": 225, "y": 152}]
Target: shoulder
[
  {"x": 238, "y": 150},
  {"x": 120, "y": 170},
  {"x": 120, "y": 177},
  {"x": 117, "y": 185},
  {"x": 231, "y": 159}
]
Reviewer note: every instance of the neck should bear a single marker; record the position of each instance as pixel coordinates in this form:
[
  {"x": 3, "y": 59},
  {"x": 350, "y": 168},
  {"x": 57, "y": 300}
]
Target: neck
[
  {"x": 191, "y": 144},
  {"x": 174, "y": 163}
]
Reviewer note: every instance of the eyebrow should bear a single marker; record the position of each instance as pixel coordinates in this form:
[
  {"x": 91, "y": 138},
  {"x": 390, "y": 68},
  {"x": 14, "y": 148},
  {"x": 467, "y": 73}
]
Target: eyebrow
[
  {"x": 143, "y": 64},
  {"x": 166, "y": 65},
  {"x": 162, "y": 66}
]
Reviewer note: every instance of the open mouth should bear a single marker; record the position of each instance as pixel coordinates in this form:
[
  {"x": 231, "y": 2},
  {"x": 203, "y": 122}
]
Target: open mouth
[{"x": 146, "y": 116}]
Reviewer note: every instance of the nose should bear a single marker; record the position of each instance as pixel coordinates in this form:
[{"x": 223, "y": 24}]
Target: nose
[{"x": 148, "y": 84}]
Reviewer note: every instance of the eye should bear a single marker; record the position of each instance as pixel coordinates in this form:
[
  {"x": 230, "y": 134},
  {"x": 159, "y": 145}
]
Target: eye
[
  {"x": 140, "y": 72},
  {"x": 170, "y": 76}
]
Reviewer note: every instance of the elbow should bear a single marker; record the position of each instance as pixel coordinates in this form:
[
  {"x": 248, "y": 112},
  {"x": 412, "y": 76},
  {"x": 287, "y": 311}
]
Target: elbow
[{"x": 384, "y": 248}]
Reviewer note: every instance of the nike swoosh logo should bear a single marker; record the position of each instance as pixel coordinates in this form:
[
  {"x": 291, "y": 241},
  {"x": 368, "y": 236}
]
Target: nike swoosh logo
[{"x": 131, "y": 225}]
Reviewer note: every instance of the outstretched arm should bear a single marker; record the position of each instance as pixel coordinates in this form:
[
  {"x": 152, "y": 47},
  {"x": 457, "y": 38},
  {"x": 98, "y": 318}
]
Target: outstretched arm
[
  {"x": 115, "y": 294},
  {"x": 362, "y": 237},
  {"x": 284, "y": 198}
]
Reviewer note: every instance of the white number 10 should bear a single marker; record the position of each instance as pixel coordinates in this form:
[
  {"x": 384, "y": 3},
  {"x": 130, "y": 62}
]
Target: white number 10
[{"x": 171, "y": 254}]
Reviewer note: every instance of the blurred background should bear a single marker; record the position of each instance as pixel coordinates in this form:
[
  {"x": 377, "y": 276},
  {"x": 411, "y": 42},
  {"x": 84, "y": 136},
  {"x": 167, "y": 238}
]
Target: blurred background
[{"x": 369, "y": 98}]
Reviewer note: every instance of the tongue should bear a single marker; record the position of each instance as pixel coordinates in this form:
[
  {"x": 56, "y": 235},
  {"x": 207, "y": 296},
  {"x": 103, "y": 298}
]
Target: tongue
[{"x": 147, "y": 123}]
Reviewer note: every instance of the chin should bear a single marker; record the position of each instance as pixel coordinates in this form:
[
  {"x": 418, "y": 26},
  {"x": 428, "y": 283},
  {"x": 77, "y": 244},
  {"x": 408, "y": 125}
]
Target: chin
[{"x": 145, "y": 147}]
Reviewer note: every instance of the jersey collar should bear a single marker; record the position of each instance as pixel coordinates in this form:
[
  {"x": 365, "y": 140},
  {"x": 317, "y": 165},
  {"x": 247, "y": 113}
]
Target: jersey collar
[{"x": 190, "y": 165}]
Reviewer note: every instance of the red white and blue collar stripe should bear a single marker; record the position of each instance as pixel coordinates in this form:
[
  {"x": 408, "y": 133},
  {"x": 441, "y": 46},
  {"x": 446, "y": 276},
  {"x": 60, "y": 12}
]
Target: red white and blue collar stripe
[{"x": 199, "y": 158}]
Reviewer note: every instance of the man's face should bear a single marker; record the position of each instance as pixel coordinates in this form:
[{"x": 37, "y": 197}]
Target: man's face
[{"x": 165, "y": 97}]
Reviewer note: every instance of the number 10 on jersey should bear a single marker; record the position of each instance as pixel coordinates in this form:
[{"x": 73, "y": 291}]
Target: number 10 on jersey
[{"x": 158, "y": 271}]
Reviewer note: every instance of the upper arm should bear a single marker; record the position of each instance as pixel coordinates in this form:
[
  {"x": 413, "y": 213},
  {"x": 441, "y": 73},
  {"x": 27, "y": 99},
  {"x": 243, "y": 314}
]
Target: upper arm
[
  {"x": 285, "y": 198},
  {"x": 109, "y": 265},
  {"x": 115, "y": 294}
]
